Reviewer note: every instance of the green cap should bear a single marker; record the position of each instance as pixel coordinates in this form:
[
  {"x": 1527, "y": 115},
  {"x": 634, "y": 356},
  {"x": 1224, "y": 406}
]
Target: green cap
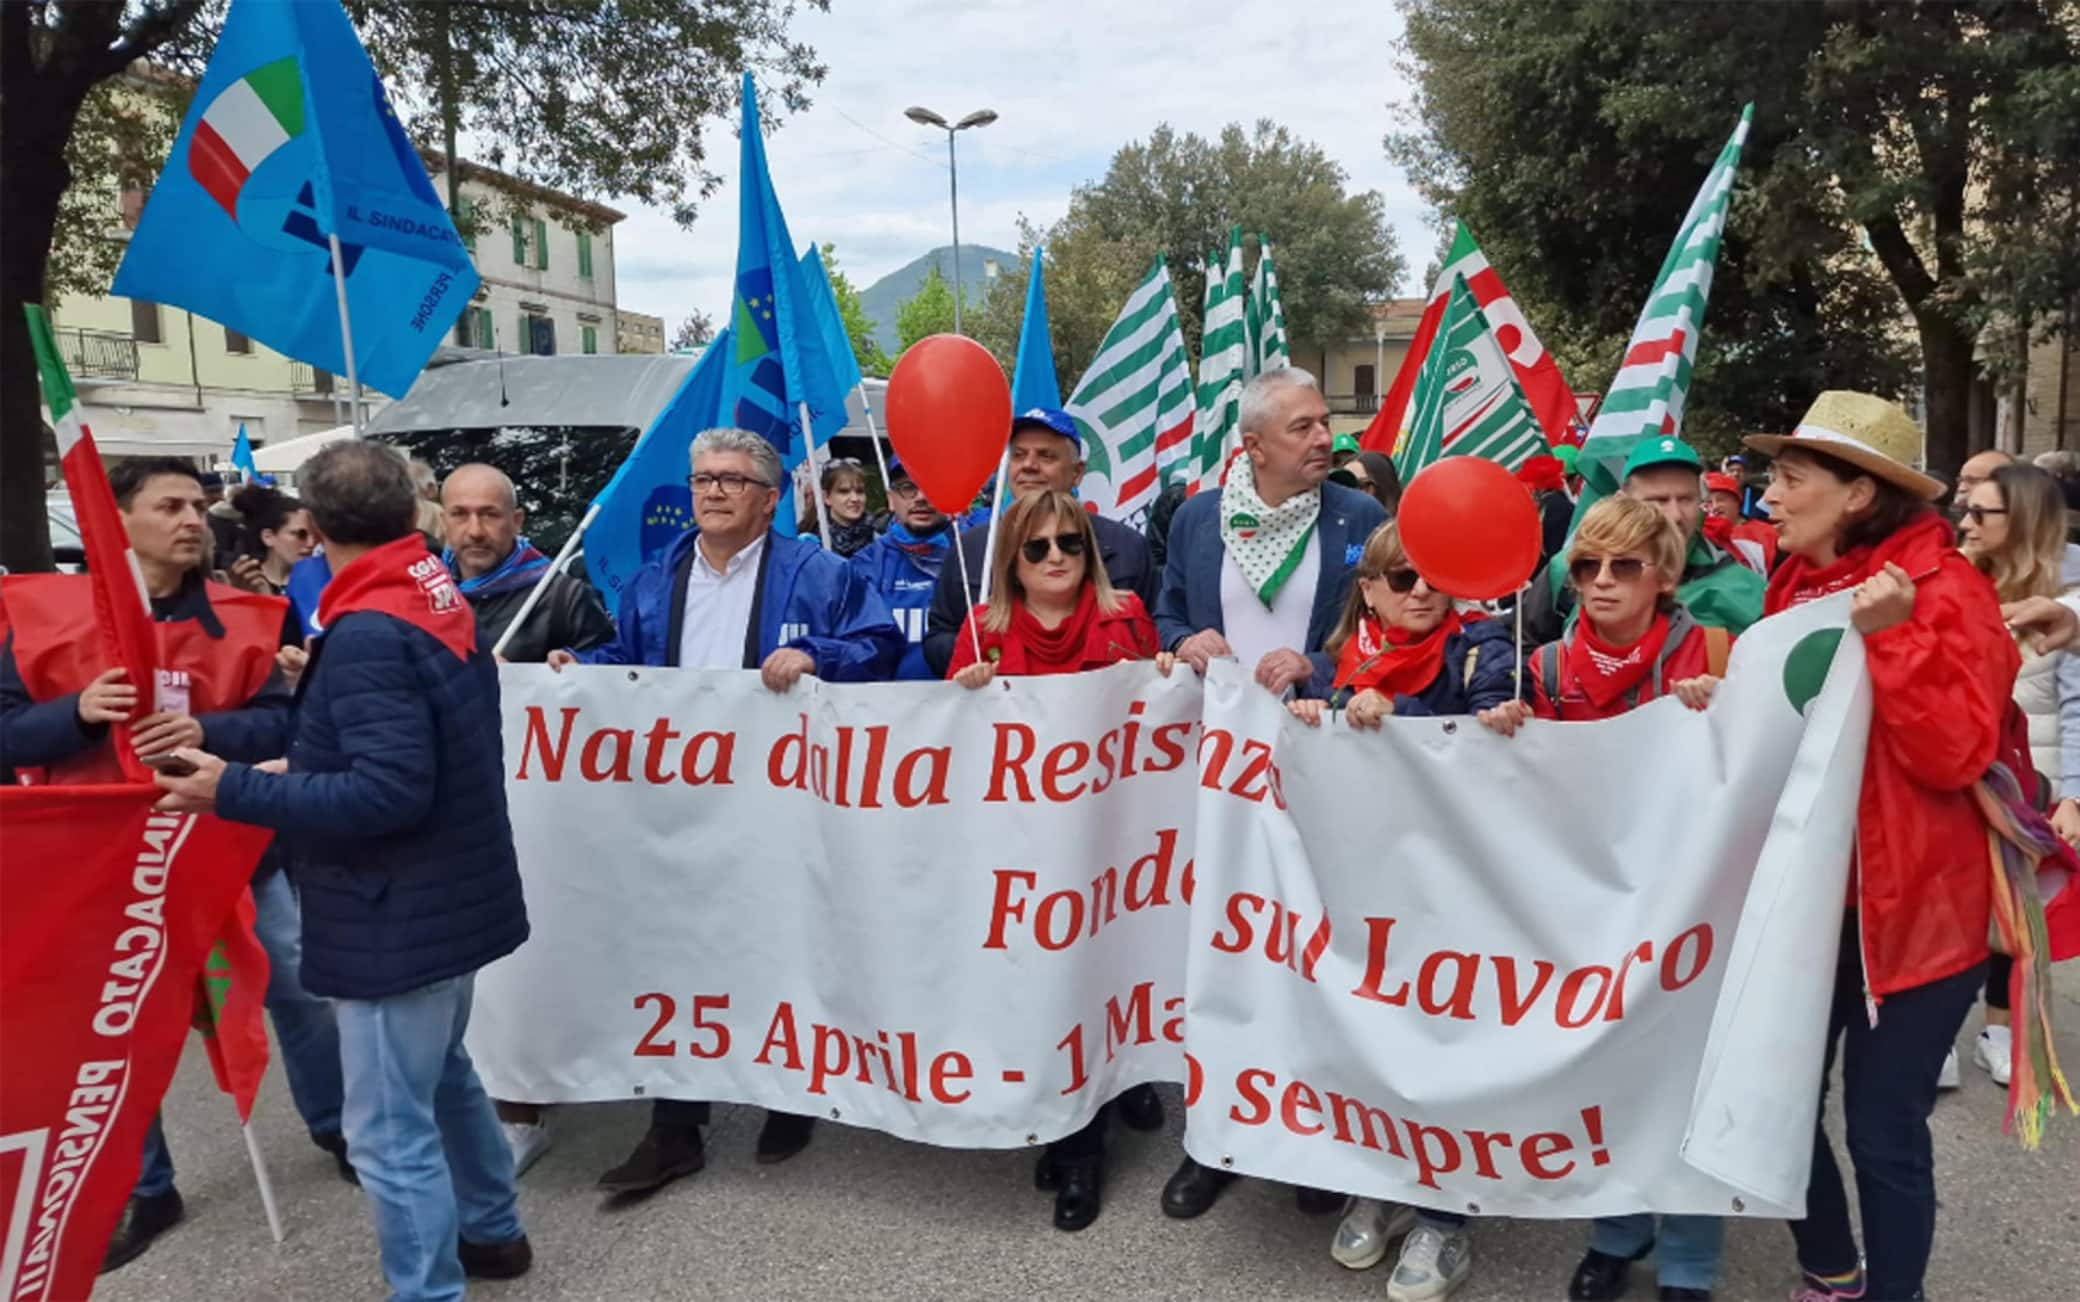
[
  {"x": 1662, "y": 451},
  {"x": 1569, "y": 456},
  {"x": 1344, "y": 443}
]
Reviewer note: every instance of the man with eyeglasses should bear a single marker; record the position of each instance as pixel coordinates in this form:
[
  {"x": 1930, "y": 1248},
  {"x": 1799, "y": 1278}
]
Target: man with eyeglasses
[
  {"x": 904, "y": 565},
  {"x": 733, "y": 593},
  {"x": 1716, "y": 588},
  {"x": 1046, "y": 453}
]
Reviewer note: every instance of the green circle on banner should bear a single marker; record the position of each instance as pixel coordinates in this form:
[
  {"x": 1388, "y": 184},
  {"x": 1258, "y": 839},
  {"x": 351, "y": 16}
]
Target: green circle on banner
[{"x": 1805, "y": 669}]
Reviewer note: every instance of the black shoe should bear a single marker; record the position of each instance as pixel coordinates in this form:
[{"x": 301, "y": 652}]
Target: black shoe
[
  {"x": 1670, "y": 1293},
  {"x": 1047, "y": 1176},
  {"x": 783, "y": 1135},
  {"x": 337, "y": 1146},
  {"x": 144, "y": 1219},
  {"x": 1601, "y": 1276},
  {"x": 664, "y": 1154},
  {"x": 1192, "y": 1189},
  {"x": 1140, "y": 1108},
  {"x": 1076, "y": 1206},
  {"x": 509, "y": 1260},
  {"x": 1318, "y": 1202}
]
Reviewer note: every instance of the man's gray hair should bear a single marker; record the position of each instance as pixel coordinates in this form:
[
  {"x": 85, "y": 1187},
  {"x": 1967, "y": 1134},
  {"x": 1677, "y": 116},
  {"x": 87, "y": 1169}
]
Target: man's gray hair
[
  {"x": 1259, "y": 395},
  {"x": 765, "y": 461},
  {"x": 359, "y": 493},
  {"x": 2064, "y": 463},
  {"x": 423, "y": 478}
]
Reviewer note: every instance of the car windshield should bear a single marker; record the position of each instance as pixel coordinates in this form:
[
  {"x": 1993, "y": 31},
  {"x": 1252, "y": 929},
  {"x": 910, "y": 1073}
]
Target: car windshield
[{"x": 556, "y": 469}]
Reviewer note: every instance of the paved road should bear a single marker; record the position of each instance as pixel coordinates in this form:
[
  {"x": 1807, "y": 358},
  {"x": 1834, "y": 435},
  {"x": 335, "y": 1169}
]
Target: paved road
[{"x": 863, "y": 1216}]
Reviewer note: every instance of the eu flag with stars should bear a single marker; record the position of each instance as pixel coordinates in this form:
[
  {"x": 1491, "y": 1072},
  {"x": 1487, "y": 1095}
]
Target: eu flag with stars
[
  {"x": 291, "y": 141},
  {"x": 779, "y": 359}
]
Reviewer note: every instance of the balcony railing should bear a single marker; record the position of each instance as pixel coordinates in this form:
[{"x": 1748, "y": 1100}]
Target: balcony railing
[
  {"x": 1352, "y": 404},
  {"x": 305, "y": 379},
  {"x": 98, "y": 354}
]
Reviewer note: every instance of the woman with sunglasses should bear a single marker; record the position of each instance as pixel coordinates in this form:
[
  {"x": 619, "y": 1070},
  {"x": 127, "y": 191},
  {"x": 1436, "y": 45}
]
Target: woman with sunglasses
[
  {"x": 2014, "y": 532},
  {"x": 845, "y": 492},
  {"x": 1402, "y": 648},
  {"x": 1053, "y": 611}
]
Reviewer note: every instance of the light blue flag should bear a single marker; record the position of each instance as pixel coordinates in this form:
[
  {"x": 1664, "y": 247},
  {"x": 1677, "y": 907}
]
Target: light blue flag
[
  {"x": 778, "y": 359},
  {"x": 837, "y": 342},
  {"x": 647, "y": 505},
  {"x": 1032, "y": 381},
  {"x": 290, "y": 141},
  {"x": 242, "y": 458}
]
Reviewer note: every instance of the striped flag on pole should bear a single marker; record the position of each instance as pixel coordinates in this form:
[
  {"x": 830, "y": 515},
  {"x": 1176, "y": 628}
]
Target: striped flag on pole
[
  {"x": 1467, "y": 400},
  {"x": 1223, "y": 349},
  {"x": 1270, "y": 348},
  {"x": 1645, "y": 399},
  {"x": 1134, "y": 405}
]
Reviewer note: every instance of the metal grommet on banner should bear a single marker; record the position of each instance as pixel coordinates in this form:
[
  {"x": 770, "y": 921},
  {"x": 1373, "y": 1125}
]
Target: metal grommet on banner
[
  {"x": 1227, "y": 1161},
  {"x": 1032, "y": 1139},
  {"x": 834, "y": 1114},
  {"x": 639, "y": 1089},
  {"x": 1473, "y": 1209},
  {"x": 1450, "y": 727},
  {"x": 1739, "y": 1206},
  {"x": 632, "y": 675}
]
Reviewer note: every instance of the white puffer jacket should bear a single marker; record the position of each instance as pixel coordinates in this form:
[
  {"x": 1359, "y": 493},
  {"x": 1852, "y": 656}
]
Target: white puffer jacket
[{"x": 2036, "y": 693}]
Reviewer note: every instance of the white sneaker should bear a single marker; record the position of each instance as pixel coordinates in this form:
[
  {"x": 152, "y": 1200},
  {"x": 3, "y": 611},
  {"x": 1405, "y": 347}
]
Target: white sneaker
[
  {"x": 1948, "y": 1078},
  {"x": 1368, "y": 1229},
  {"x": 528, "y": 1140},
  {"x": 1995, "y": 1052},
  {"x": 1433, "y": 1263}
]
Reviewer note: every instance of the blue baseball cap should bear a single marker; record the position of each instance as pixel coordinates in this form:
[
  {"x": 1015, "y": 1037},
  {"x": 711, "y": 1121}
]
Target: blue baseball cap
[
  {"x": 1052, "y": 419},
  {"x": 896, "y": 471}
]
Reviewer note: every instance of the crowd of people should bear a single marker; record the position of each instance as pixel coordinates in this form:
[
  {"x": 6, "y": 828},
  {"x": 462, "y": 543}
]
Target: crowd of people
[{"x": 360, "y": 720}]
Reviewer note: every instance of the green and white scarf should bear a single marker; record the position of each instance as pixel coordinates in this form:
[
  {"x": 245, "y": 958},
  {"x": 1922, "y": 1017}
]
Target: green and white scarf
[{"x": 1267, "y": 542}]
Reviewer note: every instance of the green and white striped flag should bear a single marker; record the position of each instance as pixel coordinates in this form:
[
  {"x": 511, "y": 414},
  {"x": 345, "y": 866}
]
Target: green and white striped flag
[
  {"x": 1269, "y": 347},
  {"x": 1134, "y": 405},
  {"x": 1645, "y": 399},
  {"x": 1467, "y": 400},
  {"x": 1223, "y": 353}
]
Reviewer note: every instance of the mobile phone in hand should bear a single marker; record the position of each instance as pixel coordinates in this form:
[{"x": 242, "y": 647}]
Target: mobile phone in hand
[{"x": 170, "y": 764}]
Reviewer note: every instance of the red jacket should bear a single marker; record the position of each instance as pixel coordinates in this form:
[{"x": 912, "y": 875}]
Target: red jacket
[
  {"x": 1685, "y": 655},
  {"x": 1939, "y": 685},
  {"x": 1090, "y": 640}
]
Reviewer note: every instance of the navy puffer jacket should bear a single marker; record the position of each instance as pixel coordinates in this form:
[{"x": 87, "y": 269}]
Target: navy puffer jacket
[
  {"x": 393, "y": 812},
  {"x": 1479, "y": 673}
]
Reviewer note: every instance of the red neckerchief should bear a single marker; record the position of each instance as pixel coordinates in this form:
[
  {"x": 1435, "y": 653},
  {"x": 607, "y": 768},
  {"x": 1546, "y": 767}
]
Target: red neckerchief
[
  {"x": 1088, "y": 639},
  {"x": 1606, "y": 673},
  {"x": 405, "y": 581},
  {"x": 1797, "y": 580},
  {"x": 1718, "y": 531},
  {"x": 1391, "y": 662}
]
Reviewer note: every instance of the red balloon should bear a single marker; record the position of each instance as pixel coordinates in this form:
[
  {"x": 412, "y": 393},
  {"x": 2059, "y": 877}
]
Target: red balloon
[
  {"x": 1469, "y": 528},
  {"x": 949, "y": 416}
]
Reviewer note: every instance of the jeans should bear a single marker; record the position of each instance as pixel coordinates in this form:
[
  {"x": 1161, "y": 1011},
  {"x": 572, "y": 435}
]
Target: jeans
[
  {"x": 422, "y": 1136},
  {"x": 304, "y": 1031},
  {"x": 1888, "y": 1090},
  {"x": 1686, "y": 1251}
]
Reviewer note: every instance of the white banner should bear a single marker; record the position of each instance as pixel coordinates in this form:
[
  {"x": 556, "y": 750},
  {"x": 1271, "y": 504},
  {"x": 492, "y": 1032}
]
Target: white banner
[{"x": 1579, "y": 971}]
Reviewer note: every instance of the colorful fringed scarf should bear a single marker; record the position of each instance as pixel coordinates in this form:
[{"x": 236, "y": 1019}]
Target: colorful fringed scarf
[{"x": 2019, "y": 840}]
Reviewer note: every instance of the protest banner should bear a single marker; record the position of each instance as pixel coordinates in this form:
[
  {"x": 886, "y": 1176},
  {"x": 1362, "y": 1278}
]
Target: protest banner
[{"x": 1429, "y": 964}]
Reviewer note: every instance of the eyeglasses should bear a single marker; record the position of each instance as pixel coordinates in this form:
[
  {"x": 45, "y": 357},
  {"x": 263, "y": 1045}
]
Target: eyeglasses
[
  {"x": 1401, "y": 581},
  {"x": 903, "y": 488},
  {"x": 1623, "y": 568},
  {"x": 727, "y": 484},
  {"x": 1979, "y": 513},
  {"x": 1035, "y": 550}
]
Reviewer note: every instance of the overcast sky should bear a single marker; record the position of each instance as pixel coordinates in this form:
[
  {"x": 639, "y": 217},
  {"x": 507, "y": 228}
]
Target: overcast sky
[{"x": 1073, "y": 80}]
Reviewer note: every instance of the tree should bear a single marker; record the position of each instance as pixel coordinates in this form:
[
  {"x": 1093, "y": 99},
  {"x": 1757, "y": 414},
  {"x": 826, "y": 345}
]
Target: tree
[
  {"x": 1912, "y": 175},
  {"x": 586, "y": 97},
  {"x": 872, "y": 361},
  {"x": 695, "y": 331},
  {"x": 927, "y": 312}
]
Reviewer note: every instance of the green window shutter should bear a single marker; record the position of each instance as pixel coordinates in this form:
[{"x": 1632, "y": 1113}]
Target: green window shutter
[
  {"x": 519, "y": 241},
  {"x": 466, "y": 221},
  {"x": 589, "y": 336},
  {"x": 584, "y": 255},
  {"x": 541, "y": 245}
]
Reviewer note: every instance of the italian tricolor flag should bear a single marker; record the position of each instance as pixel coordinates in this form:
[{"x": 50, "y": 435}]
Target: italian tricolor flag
[{"x": 252, "y": 118}]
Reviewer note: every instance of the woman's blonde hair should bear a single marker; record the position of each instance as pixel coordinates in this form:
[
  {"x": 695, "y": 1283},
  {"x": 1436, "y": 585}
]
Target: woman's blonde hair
[
  {"x": 1620, "y": 526},
  {"x": 2030, "y": 562},
  {"x": 1383, "y": 553},
  {"x": 1016, "y": 527}
]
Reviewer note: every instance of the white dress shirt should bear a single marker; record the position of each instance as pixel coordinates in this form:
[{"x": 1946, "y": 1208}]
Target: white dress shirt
[
  {"x": 718, "y": 609},
  {"x": 1255, "y": 631}
]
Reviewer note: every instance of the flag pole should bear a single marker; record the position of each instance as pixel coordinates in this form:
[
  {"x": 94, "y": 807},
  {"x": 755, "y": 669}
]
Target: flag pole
[
  {"x": 346, "y": 336},
  {"x": 874, "y": 435},
  {"x": 274, "y": 1213},
  {"x": 823, "y": 513},
  {"x": 996, "y": 505},
  {"x": 1519, "y": 662},
  {"x": 960, "y": 557},
  {"x": 534, "y": 594}
]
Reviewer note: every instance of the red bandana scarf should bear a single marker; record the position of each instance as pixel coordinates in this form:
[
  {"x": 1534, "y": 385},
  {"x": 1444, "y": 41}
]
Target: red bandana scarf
[
  {"x": 404, "y": 580},
  {"x": 1390, "y": 661},
  {"x": 1605, "y": 673}
]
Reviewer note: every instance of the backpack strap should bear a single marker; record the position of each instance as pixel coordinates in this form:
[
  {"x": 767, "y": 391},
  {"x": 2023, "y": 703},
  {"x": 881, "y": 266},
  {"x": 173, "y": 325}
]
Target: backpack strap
[
  {"x": 1473, "y": 655},
  {"x": 1681, "y": 624},
  {"x": 1548, "y": 657},
  {"x": 1718, "y": 645}
]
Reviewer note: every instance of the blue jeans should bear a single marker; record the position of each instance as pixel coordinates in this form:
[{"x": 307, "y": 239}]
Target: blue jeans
[
  {"x": 423, "y": 1137},
  {"x": 304, "y": 1031},
  {"x": 1686, "y": 1251}
]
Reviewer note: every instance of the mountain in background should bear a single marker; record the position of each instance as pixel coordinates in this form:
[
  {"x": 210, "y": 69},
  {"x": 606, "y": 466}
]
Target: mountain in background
[{"x": 881, "y": 299}]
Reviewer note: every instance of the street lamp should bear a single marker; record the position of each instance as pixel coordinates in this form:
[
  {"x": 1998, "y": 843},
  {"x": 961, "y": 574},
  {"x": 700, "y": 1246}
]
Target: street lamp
[{"x": 924, "y": 117}]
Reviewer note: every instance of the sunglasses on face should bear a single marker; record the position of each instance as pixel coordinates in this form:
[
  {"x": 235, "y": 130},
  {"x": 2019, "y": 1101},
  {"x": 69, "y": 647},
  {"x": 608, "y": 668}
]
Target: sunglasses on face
[
  {"x": 1979, "y": 513},
  {"x": 1402, "y": 581},
  {"x": 1623, "y": 568},
  {"x": 1035, "y": 549}
]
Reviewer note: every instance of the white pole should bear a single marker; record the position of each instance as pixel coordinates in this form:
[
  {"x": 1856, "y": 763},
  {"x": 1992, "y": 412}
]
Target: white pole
[
  {"x": 996, "y": 508},
  {"x": 563, "y": 558},
  {"x": 346, "y": 336},
  {"x": 823, "y": 513},
  {"x": 274, "y": 1214},
  {"x": 874, "y": 435},
  {"x": 1520, "y": 641},
  {"x": 961, "y": 558}
]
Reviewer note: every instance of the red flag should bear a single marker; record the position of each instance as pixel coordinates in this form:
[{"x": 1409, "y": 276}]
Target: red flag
[
  {"x": 97, "y": 979},
  {"x": 229, "y": 997}
]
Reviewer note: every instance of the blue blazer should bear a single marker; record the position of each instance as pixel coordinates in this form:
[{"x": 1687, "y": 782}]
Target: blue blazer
[
  {"x": 808, "y": 599},
  {"x": 1190, "y": 598}
]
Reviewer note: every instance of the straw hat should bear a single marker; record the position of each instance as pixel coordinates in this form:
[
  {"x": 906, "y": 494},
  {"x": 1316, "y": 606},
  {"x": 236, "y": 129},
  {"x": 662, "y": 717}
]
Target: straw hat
[{"x": 1873, "y": 435}]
